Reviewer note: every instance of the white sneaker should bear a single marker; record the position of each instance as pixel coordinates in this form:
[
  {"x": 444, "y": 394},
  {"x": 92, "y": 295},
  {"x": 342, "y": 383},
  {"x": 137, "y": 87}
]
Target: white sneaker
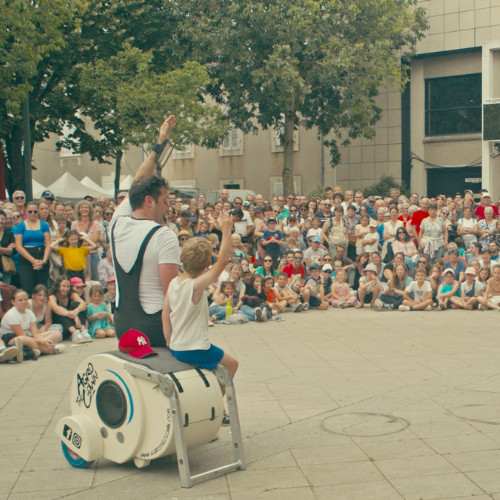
[
  {"x": 36, "y": 353},
  {"x": 77, "y": 337},
  {"x": 258, "y": 314},
  {"x": 59, "y": 348},
  {"x": 86, "y": 336},
  {"x": 264, "y": 314},
  {"x": 7, "y": 353},
  {"x": 404, "y": 308}
]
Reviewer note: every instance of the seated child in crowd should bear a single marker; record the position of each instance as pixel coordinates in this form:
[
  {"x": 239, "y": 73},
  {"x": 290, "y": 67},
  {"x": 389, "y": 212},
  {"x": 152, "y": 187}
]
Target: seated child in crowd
[
  {"x": 369, "y": 287},
  {"x": 447, "y": 291},
  {"x": 313, "y": 291},
  {"x": 340, "y": 291},
  {"x": 273, "y": 301},
  {"x": 491, "y": 299},
  {"x": 19, "y": 321},
  {"x": 421, "y": 290},
  {"x": 98, "y": 315},
  {"x": 470, "y": 291},
  {"x": 285, "y": 293}
]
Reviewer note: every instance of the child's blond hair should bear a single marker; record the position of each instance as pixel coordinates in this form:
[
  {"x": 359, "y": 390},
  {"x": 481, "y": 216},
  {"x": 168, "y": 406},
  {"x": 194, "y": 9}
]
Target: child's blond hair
[{"x": 196, "y": 255}]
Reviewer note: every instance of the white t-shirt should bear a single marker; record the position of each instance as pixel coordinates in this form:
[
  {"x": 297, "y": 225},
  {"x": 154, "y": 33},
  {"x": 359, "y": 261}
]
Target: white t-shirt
[
  {"x": 189, "y": 321},
  {"x": 314, "y": 255},
  {"x": 14, "y": 317},
  {"x": 374, "y": 246},
  {"x": 465, "y": 288},
  {"x": 419, "y": 293},
  {"x": 163, "y": 248},
  {"x": 242, "y": 225}
]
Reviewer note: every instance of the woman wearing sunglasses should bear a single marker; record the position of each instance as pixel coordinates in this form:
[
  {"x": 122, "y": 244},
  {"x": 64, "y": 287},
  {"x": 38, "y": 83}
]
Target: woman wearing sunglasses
[{"x": 33, "y": 241}]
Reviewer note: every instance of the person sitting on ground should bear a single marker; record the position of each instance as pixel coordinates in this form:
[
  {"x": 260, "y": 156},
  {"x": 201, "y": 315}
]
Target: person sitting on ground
[
  {"x": 393, "y": 297},
  {"x": 8, "y": 353},
  {"x": 491, "y": 297},
  {"x": 98, "y": 315},
  {"x": 256, "y": 298},
  {"x": 105, "y": 268},
  {"x": 455, "y": 265},
  {"x": 326, "y": 279},
  {"x": 19, "y": 321},
  {"x": 340, "y": 292},
  {"x": 110, "y": 295},
  {"x": 296, "y": 268},
  {"x": 369, "y": 287},
  {"x": 447, "y": 290},
  {"x": 273, "y": 301},
  {"x": 314, "y": 253},
  {"x": 285, "y": 293},
  {"x": 185, "y": 313},
  {"x": 470, "y": 291},
  {"x": 314, "y": 290},
  {"x": 268, "y": 267},
  {"x": 39, "y": 304},
  {"x": 237, "y": 247},
  {"x": 224, "y": 294},
  {"x": 68, "y": 310},
  {"x": 484, "y": 275},
  {"x": 362, "y": 261},
  {"x": 422, "y": 293},
  {"x": 74, "y": 250}
]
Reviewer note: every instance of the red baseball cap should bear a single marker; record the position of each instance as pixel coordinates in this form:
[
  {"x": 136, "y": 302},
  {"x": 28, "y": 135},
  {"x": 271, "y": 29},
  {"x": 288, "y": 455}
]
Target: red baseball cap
[
  {"x": 136, "y": 344},
  {"x": 76, "y": 281}
]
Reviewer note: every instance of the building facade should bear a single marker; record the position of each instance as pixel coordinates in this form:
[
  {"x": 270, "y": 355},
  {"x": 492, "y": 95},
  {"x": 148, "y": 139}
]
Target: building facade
[{"x": 429, "y": 137}]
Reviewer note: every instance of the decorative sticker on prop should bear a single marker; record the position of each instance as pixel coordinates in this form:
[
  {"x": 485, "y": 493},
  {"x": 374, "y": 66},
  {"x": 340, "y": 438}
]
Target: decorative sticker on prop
[
  {"x": 159, "y": 447},
  {"x": 72, "y": 436},
  {"x": 86, "y": 383}
]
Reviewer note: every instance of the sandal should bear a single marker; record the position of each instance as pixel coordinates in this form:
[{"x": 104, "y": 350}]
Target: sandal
[
  {"x": 359, "y": 305},
  {"x": 374, "y": 306}
]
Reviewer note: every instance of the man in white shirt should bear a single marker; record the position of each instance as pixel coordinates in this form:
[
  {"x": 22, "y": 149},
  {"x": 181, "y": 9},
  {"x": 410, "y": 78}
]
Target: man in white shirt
[{"x": 145, "y": 253}]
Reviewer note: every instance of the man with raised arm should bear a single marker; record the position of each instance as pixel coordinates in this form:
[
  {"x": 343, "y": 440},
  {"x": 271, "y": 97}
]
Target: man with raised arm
[{"x": 145, "y": 253}]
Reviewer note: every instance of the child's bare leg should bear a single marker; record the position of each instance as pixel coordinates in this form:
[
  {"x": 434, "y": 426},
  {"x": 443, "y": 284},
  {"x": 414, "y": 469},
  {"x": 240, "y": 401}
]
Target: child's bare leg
[
  {"x": 231, "y": 364},
  {"x": 361, "y": 297},
  {"x": 323, "y": 306},
  {"x": 306, "y": 295},
  {"x": 52, "y": 335},
  {"x": 27, "y": 342},
  {"x": 110, "y": 332},
  {"x": 375, "y": 295},
  {"x": 456, "y": 302},
  {"x": 418, "y": 306},
  {"x": 100, "y": 333}
]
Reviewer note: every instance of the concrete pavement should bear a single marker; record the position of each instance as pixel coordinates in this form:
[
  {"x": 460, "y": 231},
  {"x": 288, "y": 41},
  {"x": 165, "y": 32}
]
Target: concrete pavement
[{"x": 333, "y": 404}]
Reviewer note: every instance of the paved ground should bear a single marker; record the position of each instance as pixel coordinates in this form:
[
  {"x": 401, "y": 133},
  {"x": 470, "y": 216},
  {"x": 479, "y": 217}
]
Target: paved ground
[{"x": 336, "y": 404}]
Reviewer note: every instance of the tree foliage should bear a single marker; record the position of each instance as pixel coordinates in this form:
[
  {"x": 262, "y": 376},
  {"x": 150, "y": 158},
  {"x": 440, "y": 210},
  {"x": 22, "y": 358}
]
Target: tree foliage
[
  {"x": 47, "y": 44},
  {"x": 320, "y": 62}
]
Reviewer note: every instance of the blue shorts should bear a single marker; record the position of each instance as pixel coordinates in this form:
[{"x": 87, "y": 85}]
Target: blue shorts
[{"x": 204, "y": 358}]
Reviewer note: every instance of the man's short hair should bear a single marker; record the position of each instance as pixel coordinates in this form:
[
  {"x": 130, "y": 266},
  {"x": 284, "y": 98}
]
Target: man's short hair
[
  {"x": 196, "y": 255},
  {"x": 150, "y": 185}
]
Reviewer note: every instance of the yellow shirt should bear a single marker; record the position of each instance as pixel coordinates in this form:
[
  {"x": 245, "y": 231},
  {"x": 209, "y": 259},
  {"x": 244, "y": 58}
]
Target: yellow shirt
[{"x": 74, "y": 257}]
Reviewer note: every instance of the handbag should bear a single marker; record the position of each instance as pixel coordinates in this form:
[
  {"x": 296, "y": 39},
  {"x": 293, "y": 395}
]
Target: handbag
[{"x": 8, "y": 265}]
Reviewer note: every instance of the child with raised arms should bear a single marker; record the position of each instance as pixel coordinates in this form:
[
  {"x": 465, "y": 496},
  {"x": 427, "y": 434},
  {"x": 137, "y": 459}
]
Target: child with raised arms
[{"x": 185, "y": 312}]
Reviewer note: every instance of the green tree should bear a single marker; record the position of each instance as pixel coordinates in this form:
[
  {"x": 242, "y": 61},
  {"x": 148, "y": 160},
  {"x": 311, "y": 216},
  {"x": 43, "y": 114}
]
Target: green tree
[
  {"x": 126, "y": 102},
  {"x": 44, "y": 43},
  {"x": 30, "y": 34},
  {"x": 317, "y": 62}
]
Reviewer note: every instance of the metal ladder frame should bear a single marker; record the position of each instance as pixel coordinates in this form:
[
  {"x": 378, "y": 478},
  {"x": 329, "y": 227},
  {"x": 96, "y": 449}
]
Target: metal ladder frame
[{"x": 169, "y": 389}]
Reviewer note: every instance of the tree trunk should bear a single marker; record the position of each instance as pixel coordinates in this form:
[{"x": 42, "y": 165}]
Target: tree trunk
[
  {"x": 118, "y": 169},
  {"x": 287, "y": 173},
  {"x": 14, "y": 146}
]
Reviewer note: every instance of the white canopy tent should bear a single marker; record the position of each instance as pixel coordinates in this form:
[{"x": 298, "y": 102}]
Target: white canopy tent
[
  {"x": 87, "y": 181},
  {"x": 126, "y": 183},
  {"x": 37, "y": 188},
  {"x": 69, "y": 187}
]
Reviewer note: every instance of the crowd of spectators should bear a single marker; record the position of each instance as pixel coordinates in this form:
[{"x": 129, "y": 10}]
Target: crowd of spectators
[{"x": 289, "y": 253}]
